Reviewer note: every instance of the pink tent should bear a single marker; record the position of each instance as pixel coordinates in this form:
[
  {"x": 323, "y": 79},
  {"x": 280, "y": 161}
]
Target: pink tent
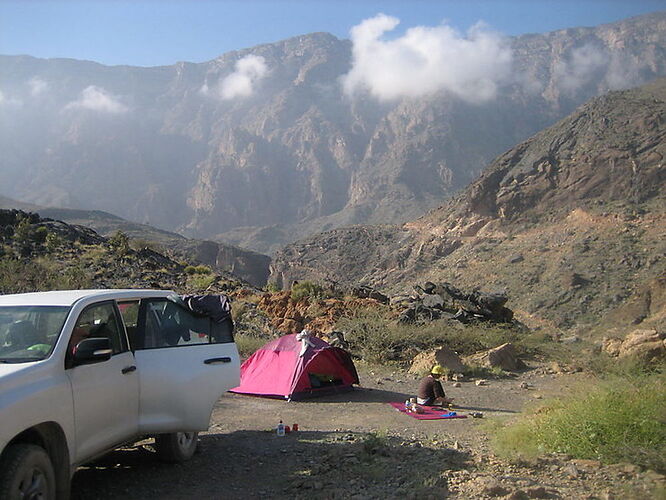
[{"x": 278, "y": 369}]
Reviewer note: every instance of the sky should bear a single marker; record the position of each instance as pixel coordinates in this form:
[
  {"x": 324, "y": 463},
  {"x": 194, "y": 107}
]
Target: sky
[{"x": 152, "y": 33}]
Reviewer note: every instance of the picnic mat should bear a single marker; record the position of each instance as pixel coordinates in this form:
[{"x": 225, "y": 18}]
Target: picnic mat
[{"x": 429, "y": 412}]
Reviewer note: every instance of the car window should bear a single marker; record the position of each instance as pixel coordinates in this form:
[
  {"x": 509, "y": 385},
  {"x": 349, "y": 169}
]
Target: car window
[
  {"x": 166, "y": 324},
  {"x": 99, "y": 320},
  {"x": 28, "y": 333},
  {"x": 129, "y": 310}
]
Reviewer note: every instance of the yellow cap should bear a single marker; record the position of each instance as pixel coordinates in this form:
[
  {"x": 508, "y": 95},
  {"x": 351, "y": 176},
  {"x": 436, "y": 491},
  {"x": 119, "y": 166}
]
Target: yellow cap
[{"x": 437, "y": 370}]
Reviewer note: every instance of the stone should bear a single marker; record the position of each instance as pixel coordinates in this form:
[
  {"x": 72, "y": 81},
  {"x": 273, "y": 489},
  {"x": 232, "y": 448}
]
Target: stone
[
  {"x": 456, "y": 384},
  {"x": 524, "y": 385},
  {"x": 443, "y": 356},
  {"x": 587, "y": 464},
  {"x": 481, "y": 382},
  {"x": 496, "y": 490},
  {"x": 503, "y": 356},
  {"x": 574, "y": 339},
  {"x": 537, "y": 492},
  {"x": 611, "y": 346},
  {"x": 518, "y": 495},
  {"x": 647, "y": 345}
]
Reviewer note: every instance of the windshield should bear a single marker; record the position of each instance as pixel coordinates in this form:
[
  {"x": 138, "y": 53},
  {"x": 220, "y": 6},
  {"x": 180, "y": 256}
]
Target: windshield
[{"x": 28, "y": 333}]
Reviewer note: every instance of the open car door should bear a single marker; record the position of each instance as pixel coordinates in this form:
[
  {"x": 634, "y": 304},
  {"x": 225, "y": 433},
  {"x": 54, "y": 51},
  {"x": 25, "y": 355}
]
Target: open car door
[{"x": 185, "y": 363}]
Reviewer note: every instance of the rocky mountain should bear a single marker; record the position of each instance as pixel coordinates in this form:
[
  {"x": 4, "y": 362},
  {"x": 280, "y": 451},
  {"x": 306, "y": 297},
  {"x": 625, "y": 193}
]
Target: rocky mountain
[
  {"x": 570, "y": 223},
  {"x": 185, "y": 148},
  {"x": 247, "y": 265}
]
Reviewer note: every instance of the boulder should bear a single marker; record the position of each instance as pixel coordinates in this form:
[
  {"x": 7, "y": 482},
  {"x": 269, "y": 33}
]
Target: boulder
[
  {"x": 443, "y": 356},
  {"x": 611, "y": 346},
  {"x": 647, "y": 345},
  {"x": 643, "y": 344},
  {"x": 504, "y": 357}
]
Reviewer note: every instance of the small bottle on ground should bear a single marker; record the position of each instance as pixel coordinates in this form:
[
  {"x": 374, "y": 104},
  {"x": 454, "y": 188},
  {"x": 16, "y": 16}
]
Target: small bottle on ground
[{"x": 280, "y": 429}]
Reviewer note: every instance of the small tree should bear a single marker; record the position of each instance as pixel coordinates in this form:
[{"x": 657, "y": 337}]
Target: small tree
[
  {"x": 119, "y": 242},
  {"x": 306, "y": 289}
]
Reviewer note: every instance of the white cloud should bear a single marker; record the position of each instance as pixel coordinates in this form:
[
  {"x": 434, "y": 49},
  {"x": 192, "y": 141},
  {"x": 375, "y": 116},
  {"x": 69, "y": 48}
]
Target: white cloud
[
  {"x": 427, "y": 59},
  {"x": 97, "y": 99},
  {"x": 242, "y": 82},
  {"x": 580, "y": 67},
  {"x": 9, "y": 101},
  {"x": 37, "y": 86}
]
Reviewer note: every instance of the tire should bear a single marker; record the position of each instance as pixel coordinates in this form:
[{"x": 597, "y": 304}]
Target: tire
[
  {"x": 26, "y": 472},
  {"x": 176, "y": 447}
]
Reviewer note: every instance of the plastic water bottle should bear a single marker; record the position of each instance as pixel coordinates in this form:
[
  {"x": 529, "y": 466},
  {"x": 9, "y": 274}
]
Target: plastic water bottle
[{"x": 280, "y": 429}]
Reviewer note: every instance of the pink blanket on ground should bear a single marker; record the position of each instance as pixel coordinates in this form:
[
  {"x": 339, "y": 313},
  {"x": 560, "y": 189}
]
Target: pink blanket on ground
[{"x": 429, "y": 412}]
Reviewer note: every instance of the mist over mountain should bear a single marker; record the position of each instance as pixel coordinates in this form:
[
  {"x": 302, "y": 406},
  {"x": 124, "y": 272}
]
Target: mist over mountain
[{"x": 262, "y": 146}]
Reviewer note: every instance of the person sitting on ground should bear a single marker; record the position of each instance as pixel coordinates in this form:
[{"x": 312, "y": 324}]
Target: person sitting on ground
[{"x": 431, "y": 392}]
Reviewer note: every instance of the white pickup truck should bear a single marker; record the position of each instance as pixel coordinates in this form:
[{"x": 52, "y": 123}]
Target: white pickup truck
[{"x": 83, "y": 372}]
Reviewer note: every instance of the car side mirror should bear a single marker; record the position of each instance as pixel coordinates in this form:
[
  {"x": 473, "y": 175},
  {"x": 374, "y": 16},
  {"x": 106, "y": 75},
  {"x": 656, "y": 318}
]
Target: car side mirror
[{"x": 93, "y": 350}]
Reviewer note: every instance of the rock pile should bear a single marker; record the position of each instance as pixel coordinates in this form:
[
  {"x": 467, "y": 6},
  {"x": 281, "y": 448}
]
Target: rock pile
[{"x": 446, "y": 301}]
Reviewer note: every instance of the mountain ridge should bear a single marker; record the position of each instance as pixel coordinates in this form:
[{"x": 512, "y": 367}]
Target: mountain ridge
[
  {"x": 297, "y": 156},
  {"x": 572, "y": 222}
]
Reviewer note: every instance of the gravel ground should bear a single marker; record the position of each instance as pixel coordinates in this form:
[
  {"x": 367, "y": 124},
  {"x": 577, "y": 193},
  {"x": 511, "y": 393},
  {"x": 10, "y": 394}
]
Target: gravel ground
[{"x": 354, "y": 445}]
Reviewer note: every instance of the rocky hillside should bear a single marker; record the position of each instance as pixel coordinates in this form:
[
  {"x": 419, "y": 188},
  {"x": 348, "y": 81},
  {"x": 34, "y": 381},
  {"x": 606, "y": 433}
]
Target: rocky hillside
[
  {"x": 250, "y": 266},
  {"x": 294, "y": 155},
  {"x": 39, "y": 254},
  {"x": 571, "y": 223}
]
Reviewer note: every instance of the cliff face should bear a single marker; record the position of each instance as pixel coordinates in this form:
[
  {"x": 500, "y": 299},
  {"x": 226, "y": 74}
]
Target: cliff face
[
  {"x": 572, "y": 223},
  {"x": 297, "y": 156}
]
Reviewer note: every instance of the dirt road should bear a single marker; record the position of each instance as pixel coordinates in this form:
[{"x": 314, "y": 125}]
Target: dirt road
[{"x": 354, "y": 445}]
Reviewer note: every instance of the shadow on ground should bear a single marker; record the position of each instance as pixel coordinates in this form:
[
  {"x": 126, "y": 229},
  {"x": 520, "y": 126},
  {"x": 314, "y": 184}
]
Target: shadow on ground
[
  {"x": 360, "y": 395},
  {"x": 248, "y": 464}
]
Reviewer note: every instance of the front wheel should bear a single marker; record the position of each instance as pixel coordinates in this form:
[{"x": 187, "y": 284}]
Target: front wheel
[
  {"x": 177, "y": 446},
  {"x": 26, "y": 472}
]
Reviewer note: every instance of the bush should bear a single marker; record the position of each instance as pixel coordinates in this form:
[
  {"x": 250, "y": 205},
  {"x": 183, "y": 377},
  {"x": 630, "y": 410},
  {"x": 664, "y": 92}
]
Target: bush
[
  {"x": 272, "y": 287},
  {"x": 52, "y": 242},
  {"x": 617, "y": 420},
  {"x": 200, "y": 282},
  {"x": 119, "y": 242},
  {"x": 307, "y": 289},
  {"x": 192, "y": 270},
  {"x": 248, "y": 344},
  {"x": 19, "y": 276},
  {"x": 375, "y": 337}
]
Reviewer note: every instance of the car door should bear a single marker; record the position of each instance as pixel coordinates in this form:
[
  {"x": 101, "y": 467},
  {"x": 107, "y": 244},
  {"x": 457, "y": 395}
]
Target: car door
[
  {"x": 183, "y": 365},
  {"x": 105, "y": 394}
]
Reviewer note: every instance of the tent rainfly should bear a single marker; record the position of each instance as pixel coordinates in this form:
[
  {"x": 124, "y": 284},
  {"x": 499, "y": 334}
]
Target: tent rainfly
[{"x": 296, "y": 367}]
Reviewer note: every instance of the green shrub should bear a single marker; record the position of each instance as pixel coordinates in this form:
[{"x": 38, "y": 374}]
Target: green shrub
[
  {"x": 200, "y": 282},
  {"x": 617, "y": 420},
  {"x": 192, "y": 270},
  {"x": 375, "y": 336},
  {"x": 307, "y": 289},
  {"x": 40, "y": 234},
  {"x": 272, "y": 287},
  {"x": 119, "y": 242},
  {"x": 248, "y": 344},
  {"x": 52, "y": 242},
  {"x": 18, "y": 276}
]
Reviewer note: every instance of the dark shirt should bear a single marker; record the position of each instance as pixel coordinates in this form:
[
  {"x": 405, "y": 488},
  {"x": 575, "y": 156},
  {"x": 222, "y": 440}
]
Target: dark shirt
[{"x": 430, "y": 388}]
